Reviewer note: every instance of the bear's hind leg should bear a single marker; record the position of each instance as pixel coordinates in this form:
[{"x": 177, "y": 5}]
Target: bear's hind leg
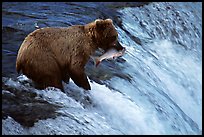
[
  {"x": 49, "y": 81},
  {"x": 54, "y": 82}
]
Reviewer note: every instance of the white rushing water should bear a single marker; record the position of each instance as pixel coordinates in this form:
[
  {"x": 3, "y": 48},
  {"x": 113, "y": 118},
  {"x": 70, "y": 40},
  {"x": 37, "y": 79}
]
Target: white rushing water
[{"x": 164, "y": 95}]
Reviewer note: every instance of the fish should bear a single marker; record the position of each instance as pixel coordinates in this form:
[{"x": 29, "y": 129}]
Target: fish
[{"x": 110, "y": 54}]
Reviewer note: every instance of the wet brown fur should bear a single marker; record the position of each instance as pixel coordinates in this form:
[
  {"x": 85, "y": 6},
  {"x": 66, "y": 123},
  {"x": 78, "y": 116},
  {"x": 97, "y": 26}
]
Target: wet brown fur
[{"x": 49, "y": 56}]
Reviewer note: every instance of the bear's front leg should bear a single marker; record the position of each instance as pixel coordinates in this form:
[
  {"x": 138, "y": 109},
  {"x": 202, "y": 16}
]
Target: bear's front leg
[
  {"x": 66, "y": 78},
  {"x": 80, "y": 79}
]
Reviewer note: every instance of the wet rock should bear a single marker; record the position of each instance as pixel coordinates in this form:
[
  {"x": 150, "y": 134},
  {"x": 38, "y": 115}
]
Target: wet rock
[{"x": 23, "y": 106}]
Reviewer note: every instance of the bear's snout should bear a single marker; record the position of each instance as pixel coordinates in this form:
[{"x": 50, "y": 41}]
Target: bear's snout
[{"x": 118, "y": 46}]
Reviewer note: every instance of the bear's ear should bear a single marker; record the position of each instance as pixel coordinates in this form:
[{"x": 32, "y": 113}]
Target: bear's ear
[
  {"x": 102, "y": 23},
  {"x": 109, "y": 20},
  {"x": 99, "y": 22}
]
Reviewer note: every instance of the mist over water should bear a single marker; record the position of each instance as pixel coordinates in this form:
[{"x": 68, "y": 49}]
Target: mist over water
[{"x": 155, "y": 88}]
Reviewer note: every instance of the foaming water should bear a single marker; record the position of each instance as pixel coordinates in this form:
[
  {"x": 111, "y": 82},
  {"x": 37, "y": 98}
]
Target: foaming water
[
  {"x": 172, "y": 76},
  {"x": 124, "y": 114}
]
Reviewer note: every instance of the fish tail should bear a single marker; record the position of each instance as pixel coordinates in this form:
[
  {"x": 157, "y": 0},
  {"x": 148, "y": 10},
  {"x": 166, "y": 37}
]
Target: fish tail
[{"x": 96, "y": 60}]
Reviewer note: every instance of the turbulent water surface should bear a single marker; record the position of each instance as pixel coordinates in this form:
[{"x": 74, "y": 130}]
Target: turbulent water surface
[{"x": 155, "y": 88}]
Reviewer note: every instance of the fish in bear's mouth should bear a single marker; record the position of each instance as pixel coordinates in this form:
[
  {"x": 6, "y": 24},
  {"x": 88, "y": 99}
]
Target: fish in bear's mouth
[{"x": 111, "y": 53}]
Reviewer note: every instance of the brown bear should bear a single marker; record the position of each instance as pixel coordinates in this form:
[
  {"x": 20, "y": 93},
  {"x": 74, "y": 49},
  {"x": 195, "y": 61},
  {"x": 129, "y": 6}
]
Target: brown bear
[{"x": 49, "y": 55}]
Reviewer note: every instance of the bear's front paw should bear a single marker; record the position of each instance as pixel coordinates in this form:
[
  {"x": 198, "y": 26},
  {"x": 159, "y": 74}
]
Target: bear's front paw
[{"x": 87, "y": 87}]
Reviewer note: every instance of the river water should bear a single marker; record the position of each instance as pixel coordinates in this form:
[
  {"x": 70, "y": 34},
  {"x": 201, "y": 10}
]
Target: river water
[{"x": 155, "y": 88}]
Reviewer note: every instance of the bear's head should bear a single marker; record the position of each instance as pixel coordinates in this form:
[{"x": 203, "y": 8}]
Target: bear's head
[{"x": 105, "y": 35}]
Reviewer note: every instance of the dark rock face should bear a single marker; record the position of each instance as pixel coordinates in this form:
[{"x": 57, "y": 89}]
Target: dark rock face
[{"x": 24, "y": 106}]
